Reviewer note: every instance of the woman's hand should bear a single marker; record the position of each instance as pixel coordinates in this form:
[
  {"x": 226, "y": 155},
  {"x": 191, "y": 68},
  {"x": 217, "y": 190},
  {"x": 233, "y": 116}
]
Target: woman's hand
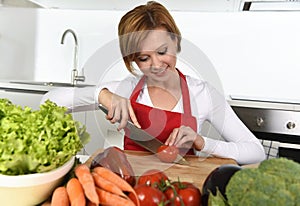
[
  {"x": 119, "y": 109},
  {"x": 185, "y": 137}
]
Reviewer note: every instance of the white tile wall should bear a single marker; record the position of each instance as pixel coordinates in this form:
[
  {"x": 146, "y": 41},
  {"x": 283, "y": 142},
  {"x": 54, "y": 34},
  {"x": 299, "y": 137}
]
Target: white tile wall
[{"x": 252, "y": 53}]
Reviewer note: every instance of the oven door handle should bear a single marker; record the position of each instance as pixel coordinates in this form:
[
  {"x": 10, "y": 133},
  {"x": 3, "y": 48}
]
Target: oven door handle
[{"x": 289, "y": 145}]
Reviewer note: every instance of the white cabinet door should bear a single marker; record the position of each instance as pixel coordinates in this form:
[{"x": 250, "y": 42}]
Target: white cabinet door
[
  {"x": 23, "y": 98},
  {"x": 103, "y": 133}
]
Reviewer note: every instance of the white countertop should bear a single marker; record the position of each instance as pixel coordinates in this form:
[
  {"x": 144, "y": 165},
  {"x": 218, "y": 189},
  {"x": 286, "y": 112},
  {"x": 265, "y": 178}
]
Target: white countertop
[
  {"x": 264, "y": 105},
  {"x": 7, "y": 85},
  {"x": 34, "y": 86}
]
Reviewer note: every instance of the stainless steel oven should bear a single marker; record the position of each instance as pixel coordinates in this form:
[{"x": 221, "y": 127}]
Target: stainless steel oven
[{"x": 272, "y": 121}]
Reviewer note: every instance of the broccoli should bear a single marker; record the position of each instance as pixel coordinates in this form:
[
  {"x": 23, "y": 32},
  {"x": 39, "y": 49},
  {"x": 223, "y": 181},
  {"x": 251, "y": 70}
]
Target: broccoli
[{"x": 275, "y": 182}]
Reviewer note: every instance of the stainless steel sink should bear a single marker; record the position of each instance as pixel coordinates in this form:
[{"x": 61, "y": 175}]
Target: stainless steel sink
[{"x": 52, "y": 84}]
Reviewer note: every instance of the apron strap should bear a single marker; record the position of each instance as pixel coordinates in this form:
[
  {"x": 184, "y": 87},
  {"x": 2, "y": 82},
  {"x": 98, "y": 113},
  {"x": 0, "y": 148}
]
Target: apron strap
[
  {"x": 185, "y": 94},
  {"x": 184, "y": 90}
]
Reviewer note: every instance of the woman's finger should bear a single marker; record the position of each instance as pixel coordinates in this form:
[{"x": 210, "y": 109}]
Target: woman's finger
[
  {"x": 172, "y": 138},
  {"x": 110, "y": 113},
  {"x": 133, "y": 117},
  {"x": 117, "y": 115},
  {"x": 124, "y": 117}
]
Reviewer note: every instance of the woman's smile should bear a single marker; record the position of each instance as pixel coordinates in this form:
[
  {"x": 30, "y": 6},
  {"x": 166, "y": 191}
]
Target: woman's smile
[{"x": 158, "y": 71}]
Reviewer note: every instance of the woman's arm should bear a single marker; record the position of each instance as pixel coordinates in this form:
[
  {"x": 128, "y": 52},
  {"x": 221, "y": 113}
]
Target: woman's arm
[
  {"x": 87, "y": 98},
  {"x": 238, "y": 141},
  {"x": 75, "y": 99},
  {"x": 240, "y": 144}
]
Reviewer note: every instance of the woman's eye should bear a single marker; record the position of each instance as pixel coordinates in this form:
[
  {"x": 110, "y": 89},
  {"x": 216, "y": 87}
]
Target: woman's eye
[
  {"x": 142, "y": 59},
  {"x": 163, "y": 51}
]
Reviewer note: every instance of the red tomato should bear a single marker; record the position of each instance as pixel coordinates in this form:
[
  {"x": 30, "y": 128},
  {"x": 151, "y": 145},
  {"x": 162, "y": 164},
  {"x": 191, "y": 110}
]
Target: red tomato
[
  {"x": 148, "y": 195},
  {"x": 187, "y": 194},
  {"x": 152, "y": 177},
  {"x": 167, "y": 153}
]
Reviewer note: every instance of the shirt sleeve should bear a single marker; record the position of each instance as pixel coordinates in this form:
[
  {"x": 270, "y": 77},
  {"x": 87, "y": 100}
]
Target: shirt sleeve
[
  {"x": 238, "y": 142},
  {"x": 86, "y": 98},
  {"x": 74, "y": 98}
]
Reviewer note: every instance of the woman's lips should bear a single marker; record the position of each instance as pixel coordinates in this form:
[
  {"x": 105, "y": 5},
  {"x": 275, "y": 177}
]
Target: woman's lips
[{"x": 158, "y": 71}]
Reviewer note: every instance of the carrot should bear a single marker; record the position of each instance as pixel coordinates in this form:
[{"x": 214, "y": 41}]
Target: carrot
[
  {"x": 114, "y": 178},
  {"x": 75, "y": 192},
  {"x": 60, "y": 197},
  {"x": 117, "y": 180},
  {"x": 89, "y": 203},
  {"x": 48, "y": 203},
  {"x": 110, "y": 199},
  {"x": 107, "y": 185},
  {"x": 87, "y": 181}
]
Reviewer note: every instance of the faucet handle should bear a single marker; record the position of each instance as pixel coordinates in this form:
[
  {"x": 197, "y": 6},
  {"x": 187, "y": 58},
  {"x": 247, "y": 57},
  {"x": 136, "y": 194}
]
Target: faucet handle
[{"x": 79, "y": 78}]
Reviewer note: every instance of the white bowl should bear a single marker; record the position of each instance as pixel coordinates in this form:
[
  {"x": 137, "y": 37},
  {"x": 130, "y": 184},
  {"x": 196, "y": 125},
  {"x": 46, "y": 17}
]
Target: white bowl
[{"x": 31, "y": 189}]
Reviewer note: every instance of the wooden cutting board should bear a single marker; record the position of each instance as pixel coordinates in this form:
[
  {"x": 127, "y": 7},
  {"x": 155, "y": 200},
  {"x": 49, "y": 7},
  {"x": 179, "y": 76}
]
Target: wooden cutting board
[{"x": 196, "y": 172}]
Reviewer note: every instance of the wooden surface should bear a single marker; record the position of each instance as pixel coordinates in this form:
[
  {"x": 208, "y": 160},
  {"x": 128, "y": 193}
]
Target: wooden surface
[{"x": 196, "y": 172}]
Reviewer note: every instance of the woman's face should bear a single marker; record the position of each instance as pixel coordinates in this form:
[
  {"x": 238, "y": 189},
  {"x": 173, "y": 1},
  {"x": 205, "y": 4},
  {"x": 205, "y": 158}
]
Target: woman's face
[{"x": 157, "y": 55}]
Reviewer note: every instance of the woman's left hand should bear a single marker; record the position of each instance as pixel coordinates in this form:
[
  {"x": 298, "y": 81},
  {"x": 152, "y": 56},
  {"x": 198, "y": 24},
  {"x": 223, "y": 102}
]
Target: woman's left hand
[{"x": 185, "y": 137}]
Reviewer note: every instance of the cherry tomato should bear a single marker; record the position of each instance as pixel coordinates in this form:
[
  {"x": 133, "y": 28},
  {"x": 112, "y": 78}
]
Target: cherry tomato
[
  {"x": 167, "y": 153},
  {"x": 148, "y": 195},
  {"x": 183, "y": 193},
  {"x": 152, "y": 177}
]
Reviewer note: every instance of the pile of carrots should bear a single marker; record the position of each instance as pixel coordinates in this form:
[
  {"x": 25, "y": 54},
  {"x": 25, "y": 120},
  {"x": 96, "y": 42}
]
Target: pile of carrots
[{"x": 99, "y": 186}]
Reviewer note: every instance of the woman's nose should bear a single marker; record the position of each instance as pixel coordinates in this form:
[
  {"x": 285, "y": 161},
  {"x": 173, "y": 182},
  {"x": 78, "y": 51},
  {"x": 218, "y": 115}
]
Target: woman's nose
[{"x": 156, "y": 62}]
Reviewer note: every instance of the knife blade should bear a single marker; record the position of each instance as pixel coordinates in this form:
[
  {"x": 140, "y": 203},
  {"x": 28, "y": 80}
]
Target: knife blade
[{"x": 144, "y": 139}]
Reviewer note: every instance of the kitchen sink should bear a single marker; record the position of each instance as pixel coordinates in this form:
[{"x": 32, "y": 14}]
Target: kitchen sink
[{"x": 53, "y": 84}]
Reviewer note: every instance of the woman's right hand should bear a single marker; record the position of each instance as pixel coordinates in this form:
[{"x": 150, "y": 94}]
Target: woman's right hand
[{"x": 119, "y": 109}]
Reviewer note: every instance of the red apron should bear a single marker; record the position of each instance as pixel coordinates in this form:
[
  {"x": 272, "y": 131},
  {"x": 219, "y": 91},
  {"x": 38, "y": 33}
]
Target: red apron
[{"x": 160, "y": 123}]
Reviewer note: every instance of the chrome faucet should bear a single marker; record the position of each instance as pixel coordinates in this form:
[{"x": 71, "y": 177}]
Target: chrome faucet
[{"x": 74, "y": 77}]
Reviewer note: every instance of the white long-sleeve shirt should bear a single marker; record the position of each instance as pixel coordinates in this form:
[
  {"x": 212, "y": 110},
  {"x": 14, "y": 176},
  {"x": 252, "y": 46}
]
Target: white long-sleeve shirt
[{"x": 207, "y": 104}]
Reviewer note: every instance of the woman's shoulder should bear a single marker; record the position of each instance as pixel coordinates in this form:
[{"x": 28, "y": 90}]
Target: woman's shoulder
[
  {"x": 195, "y": 82},
  {"x": 201, "y": 89}
]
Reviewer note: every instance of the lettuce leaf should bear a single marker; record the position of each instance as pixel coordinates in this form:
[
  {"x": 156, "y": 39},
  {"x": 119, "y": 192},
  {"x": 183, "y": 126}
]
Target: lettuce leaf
[{"x": 37, "y": 141}]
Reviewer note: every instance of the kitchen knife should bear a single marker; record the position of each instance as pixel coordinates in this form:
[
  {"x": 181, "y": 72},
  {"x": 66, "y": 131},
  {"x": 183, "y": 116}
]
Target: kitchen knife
[{"x": 144, "y": 139}]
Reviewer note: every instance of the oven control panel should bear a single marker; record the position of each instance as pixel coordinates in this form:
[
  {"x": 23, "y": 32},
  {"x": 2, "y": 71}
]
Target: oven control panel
[{"x": 270, "y": 120}]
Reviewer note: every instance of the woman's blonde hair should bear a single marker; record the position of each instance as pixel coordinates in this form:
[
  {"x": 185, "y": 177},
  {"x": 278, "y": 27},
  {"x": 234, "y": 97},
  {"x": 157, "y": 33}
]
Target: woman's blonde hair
[{"x": 135, "y": 25}]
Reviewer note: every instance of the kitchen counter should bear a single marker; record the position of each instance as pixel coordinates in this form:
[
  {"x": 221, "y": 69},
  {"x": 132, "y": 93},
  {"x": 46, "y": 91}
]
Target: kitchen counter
[
  {"x": 35, "y": 86},
  {"x": 9, "y": 86},
  {"x": 291, "y": 105}
]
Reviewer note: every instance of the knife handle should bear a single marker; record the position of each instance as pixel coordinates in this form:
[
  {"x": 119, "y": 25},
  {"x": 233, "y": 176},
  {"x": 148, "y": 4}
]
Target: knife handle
[{"x": 101, "y": 107}]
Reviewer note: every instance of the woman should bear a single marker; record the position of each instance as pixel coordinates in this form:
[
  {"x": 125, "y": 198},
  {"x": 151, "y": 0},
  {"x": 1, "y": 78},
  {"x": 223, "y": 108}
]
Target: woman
[{"x": 167, "y": 104}]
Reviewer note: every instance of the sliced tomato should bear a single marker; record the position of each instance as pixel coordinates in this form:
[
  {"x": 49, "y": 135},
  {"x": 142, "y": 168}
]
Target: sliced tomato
[{"x": 167, "y": 153}]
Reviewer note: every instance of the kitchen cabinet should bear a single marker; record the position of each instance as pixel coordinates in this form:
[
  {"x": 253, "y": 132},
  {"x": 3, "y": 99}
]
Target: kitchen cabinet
[
  {"x": 23, "y": 95},
  {"x": 22, "y": 98},
  {"x": 103, "y": 133}
]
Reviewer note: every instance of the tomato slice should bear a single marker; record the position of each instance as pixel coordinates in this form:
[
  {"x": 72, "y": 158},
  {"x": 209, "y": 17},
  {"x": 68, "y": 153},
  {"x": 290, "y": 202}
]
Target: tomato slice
[{"x": 167, "y": 153}]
